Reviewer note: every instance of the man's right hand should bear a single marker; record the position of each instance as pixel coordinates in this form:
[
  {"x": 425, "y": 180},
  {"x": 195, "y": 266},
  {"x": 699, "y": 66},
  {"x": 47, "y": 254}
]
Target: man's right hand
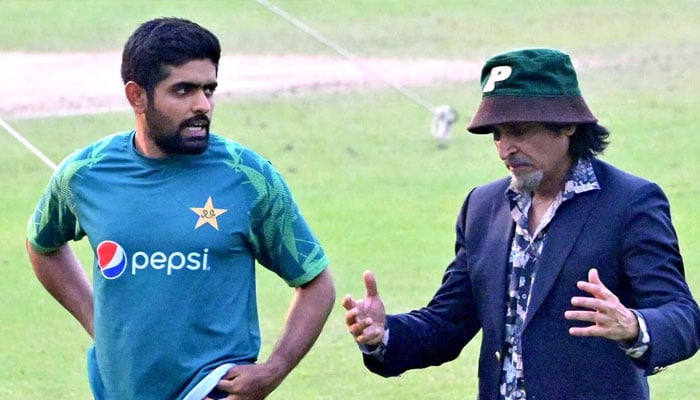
[{"x": 366, "y": 318}]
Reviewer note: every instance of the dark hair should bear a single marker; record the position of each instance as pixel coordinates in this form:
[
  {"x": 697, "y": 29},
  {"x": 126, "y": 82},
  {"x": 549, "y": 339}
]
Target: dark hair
[
  {"x": 162, "y": 43},
  {"x": 588, "y": 140}
]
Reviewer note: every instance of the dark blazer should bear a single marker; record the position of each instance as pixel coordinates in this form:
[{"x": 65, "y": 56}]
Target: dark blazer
[{"x": 624, "y": 230}]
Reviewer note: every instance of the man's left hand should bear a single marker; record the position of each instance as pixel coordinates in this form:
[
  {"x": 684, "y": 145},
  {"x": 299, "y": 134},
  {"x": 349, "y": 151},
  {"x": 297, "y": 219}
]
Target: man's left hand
[
  {"x": 249, "y": 382},
  {"x": 609, "y": 317}
]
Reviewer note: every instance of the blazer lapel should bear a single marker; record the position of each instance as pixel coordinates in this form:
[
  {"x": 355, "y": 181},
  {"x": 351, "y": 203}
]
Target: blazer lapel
[
  {"x": 500, "y": 235},
  {"x": 562, "y": 235}
]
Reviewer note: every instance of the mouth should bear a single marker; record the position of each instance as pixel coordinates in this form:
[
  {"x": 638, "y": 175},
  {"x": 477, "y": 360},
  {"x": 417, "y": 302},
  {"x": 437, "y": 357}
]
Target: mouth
[
  {"x": 518, "y": 167},
  {"x": 516, "y": 164},
  {"x": 196, "y": 128}
]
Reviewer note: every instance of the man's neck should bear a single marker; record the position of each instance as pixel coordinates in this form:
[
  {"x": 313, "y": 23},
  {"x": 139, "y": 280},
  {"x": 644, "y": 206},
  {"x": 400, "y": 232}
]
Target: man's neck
[
  {"x": 143, "y": 144},
  {"x": 548, "y": 189}
]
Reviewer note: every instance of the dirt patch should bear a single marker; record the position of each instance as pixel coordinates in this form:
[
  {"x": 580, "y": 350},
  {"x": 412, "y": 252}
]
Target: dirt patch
[{"x": 60, "y": 84}]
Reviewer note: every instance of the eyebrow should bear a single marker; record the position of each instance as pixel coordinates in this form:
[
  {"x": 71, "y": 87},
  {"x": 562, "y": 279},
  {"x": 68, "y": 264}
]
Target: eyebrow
[{"x": 193, "y": 85}]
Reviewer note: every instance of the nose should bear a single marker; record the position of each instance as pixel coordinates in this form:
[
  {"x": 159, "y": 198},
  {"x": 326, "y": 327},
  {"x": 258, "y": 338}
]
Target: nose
[
  {"x": 202, "y": 103},
  {"x": 505, "y": 146}
]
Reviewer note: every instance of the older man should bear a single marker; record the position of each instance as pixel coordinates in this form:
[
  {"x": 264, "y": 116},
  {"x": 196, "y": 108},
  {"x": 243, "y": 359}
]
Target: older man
[{"x": 569, "y": 266}]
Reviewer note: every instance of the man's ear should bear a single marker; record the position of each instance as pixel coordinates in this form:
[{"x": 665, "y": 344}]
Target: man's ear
[
  {"x": 569, "y": 130},
  {"x": 136, "y": 95}
]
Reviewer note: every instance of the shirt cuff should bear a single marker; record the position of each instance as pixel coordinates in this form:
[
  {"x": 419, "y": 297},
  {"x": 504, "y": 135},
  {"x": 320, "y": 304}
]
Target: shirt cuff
[
  {"x": 641, "y": 345},
  {"x": 376, "y": 351}
]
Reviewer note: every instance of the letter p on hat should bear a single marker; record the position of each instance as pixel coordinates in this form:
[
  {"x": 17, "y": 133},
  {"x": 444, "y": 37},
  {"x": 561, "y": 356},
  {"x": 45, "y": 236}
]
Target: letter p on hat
[{"x": 498, "y": 74}]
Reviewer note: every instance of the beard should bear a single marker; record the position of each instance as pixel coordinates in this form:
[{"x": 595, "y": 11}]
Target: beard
[
  {"x": 523, "y": 182},
  {"x": 526, "y": 183},
  {"x": 171, "y": 138}
]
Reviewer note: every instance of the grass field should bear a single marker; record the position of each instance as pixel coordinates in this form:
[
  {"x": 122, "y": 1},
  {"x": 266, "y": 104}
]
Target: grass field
[{"x": 376, "y": 188}]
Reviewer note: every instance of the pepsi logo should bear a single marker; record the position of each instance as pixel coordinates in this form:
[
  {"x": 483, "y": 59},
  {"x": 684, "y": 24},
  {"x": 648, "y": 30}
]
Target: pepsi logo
[{"x": 111, "y": 259}]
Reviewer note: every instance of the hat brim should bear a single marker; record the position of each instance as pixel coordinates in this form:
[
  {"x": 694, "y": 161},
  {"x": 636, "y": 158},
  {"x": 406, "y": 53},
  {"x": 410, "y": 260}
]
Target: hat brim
[{"x": 509, "y": 109}]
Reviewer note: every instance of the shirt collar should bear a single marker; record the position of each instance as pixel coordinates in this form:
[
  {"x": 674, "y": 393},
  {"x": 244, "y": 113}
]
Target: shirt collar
[{"x": 581, "y": 178}]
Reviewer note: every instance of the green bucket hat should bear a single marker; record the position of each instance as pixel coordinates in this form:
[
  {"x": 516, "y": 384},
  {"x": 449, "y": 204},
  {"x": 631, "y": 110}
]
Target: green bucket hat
[{"x": 529, "y": 85}]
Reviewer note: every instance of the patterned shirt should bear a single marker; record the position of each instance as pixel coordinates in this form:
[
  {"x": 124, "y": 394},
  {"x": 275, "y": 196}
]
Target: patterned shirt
[{"x": 525, "y": 249}]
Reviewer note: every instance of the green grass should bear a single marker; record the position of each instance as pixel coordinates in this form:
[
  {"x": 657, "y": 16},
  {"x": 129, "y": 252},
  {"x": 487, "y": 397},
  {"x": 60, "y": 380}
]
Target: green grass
[
  {"x": 377, "y": 190},
  {"x": 450, "y": 28}
]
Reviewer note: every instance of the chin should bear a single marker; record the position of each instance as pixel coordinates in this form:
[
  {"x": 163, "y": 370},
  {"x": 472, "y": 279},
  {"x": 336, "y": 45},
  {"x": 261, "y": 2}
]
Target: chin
[
  {"x": 195, "y": 146},
  {"x": 194, "y": 150},
  {"x": 526, "y": 182}
]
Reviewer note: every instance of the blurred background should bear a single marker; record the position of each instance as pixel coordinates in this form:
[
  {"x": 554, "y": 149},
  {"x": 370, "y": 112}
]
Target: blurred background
[{"x": 378, "y": 189}]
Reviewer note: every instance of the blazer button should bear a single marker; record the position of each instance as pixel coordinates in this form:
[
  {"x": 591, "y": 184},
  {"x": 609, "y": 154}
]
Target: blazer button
[
  {"x": 498, "y": 356},
  {"x": 656, "y": 370}
]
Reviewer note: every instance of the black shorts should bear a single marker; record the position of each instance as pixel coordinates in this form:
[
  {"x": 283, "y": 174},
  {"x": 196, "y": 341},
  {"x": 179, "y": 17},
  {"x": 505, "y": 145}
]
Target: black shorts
[{"x": 217, "y": 394}]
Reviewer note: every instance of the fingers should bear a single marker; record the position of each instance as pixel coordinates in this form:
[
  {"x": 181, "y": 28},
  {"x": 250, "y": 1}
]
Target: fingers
[
  {"x": 355, "y": 323},
  {"x": 589, "y": 331},
  {"x": 608, "y": 317},
  {"x": 349, "y": 303},
  {"x": 365, "y": 331},
  {"x": 591, "y": 303},
  {"x": 358, "y": 328},
  {"x": 595, "y": 306},
  {"x": 594, "y": 286},
  {"x": 600, "y": 321},
  {"x": 365, "y": 317},
  {"x": 612, "y": 327},
  {"x": 370, "y": 284},
  {"x": 230, "y": 374},
  {"x": 351, "y": 317},
  {"x": 230, "y": 381},
  {"x": 372, "y": 335},
  {"x": 593, "y": 276},
  {"x": 587, "y": 316}
]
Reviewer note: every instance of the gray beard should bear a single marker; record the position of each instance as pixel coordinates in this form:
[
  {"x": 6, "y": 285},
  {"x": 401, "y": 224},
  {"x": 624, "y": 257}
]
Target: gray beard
[{"x": 527, "y": 183}]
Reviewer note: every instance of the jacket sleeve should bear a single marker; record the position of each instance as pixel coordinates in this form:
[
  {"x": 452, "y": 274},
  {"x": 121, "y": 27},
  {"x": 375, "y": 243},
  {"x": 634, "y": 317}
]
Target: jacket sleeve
[
  {"x": 654, "y": 269},
  {"x": 438, "y": 332}
]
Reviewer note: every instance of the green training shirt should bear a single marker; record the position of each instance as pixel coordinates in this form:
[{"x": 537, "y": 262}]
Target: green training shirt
[{"x": 175, "y": 243}]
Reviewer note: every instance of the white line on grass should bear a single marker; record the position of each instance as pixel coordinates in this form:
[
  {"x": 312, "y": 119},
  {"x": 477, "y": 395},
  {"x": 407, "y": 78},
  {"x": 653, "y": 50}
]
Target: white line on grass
[
  {"x": 443, "y": 116},
  {"x": 345, "y": 53},
  {"x": 27, "y": 144}
]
